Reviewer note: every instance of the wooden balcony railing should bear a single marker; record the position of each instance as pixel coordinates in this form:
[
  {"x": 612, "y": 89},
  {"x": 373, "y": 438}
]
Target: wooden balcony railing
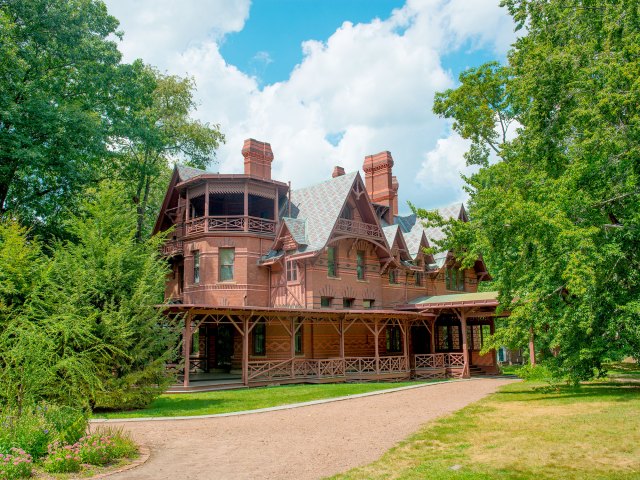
[
  {"x": 172, "y": 247},
  {"x": 362, "y": 229},
  {"x": 233, "y": 223}
]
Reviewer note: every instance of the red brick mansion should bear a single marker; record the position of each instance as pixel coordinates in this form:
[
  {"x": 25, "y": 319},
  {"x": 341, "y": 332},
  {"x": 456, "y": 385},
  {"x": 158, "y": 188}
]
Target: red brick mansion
[{"x": 322, "y": 284}]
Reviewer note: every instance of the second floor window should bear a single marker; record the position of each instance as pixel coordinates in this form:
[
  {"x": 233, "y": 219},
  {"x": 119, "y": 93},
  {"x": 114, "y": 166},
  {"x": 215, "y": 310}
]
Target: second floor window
[
  {"x": 360, "y": 265},
  {"x": 292, "y": 271},
  {"x": 332, "y": 261},
  {"x": 393, "y": 276},
  {"x": 196, "y": 266},
  {"x": 325, "y": 302},
  {"x": 226, "y": 257},
  {"x": 418, "y": 279},
  {"x": 454, "y": 279}
]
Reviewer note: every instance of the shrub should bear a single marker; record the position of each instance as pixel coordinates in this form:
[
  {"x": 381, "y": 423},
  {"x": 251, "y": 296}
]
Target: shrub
[
  {"x": 106, "y": 445},
  {"x": 34, "y": 429},
  {"x": 62, "y": 459},
  {"x": 536, "y": 373},
  {"x": 17, "y": 464}
]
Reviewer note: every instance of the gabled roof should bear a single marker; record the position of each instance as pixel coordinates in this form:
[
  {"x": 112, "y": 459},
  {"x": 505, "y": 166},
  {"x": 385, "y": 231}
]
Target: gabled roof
[
  {"x": 298, "y": 229},
  {"x": 187, "y": 173},
  {"x": 320, "y": 206}
]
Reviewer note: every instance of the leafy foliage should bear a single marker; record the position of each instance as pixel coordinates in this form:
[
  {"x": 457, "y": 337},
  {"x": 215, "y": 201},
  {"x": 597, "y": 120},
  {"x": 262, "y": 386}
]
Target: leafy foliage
[{"x": 557, "y": 217}]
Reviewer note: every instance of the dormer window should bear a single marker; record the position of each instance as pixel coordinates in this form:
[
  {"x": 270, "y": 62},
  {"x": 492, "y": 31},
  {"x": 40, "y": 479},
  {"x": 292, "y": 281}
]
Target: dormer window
[{"x": 454, "y": 279}]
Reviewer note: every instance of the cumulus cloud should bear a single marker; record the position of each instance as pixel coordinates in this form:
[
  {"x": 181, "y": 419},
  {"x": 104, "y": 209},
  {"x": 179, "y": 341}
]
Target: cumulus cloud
[{"x": 368, "y": 87}]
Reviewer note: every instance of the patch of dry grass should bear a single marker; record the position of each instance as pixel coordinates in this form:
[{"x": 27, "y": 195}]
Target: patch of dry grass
[{"x": 526, "y": 431}]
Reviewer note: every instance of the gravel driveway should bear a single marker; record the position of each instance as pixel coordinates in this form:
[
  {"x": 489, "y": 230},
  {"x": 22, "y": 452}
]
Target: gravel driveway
[{"x": 302, "y": 443}]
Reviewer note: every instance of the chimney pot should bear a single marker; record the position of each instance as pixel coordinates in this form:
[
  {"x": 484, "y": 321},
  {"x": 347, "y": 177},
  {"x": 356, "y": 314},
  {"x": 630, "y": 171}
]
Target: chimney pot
[
  {"x": 379, "y": 181},
  {"x": 257, "y": 158},
  {"x": 337, "y": 171}
]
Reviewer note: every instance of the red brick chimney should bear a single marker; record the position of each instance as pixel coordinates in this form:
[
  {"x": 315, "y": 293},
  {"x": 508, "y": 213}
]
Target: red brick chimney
[
  {"x": 337, "y": 171},
  {"x": 257, "y": 158},
  {"x": 394, "y": 187},
  {"x": 379, "y": 181}
]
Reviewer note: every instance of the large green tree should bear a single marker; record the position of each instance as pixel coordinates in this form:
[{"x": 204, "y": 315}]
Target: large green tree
[
  {"x": 159, "y": 130},
  {"x": 58, "y": 69},
  {"x": 557, "y": 215}
]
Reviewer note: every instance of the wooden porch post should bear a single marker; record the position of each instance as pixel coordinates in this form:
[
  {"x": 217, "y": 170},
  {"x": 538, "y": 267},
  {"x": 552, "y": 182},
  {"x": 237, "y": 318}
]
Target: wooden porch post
[
  {"x": 433, "y": 335},
  {"x": 186, "y": 345},
  {"x": 206, "y": 206},
  {"x": 292, "y": 350},
  {"x": 405, "y": 343},
  {"x": 465, "y": 347},
  {"x": 532, "y": 347},
  {"x": 246, "y": 206},
  {"x": 376, "y": 334},
  {"x": 245, "y": 350},
  {"x": 342, "y": 338}
]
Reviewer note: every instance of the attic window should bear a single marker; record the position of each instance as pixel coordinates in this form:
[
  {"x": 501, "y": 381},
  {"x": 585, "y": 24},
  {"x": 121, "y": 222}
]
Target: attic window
[
  {"x": 292, "y": 271},
  {"x": 454, "y": 279},
  {"x": 347, "y": 213}
]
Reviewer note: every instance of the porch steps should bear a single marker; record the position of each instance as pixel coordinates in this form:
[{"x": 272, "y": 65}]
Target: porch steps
[{"x": 205, "y": 387}]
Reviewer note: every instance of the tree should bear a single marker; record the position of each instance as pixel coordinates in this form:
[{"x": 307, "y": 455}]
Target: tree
[
  {"x": 57, "y": 72},
  {"x": 99, "y": 298},
  {"x": 159, "y": 129},
  {"x": 557, "y": 218}
]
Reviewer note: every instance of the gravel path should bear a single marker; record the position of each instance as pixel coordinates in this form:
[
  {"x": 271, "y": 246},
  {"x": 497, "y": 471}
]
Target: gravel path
[{"x": 302, "y": 443}]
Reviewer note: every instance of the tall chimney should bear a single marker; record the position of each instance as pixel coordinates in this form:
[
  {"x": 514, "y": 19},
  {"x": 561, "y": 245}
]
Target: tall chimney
[
  {"x": 394, "y": 188},
  {"x": 257, "y": 158},
  {"x": 337, "y": 171},
  {"x": 379, "y": 181}
]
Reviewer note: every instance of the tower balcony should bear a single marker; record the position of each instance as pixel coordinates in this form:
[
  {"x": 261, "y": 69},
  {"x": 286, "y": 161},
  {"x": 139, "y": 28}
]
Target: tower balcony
[{"x": 230, "y": 223}]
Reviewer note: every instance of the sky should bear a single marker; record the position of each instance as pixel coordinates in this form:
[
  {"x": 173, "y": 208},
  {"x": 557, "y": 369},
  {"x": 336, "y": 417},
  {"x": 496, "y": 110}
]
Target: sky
[{"x": 325, "y": 82}]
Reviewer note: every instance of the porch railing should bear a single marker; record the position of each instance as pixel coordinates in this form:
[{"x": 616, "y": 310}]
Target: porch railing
[
  {"x": 356, "y": 227},
  {"x": 265, "y": 370},
  {"x": 230, "y": 223},
  {"x": 439, "y": 360}
]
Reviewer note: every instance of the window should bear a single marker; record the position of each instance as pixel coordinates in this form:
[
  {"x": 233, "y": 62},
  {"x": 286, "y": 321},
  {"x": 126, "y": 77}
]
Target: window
[
  {"x": 367, "y": 303},
  {"x": 332, "y": 255},
  {"x": 226, "y": 256},
  {"x": 454, "y": 279},
  {"x": 347, "y": 213},
  {"x": 393, "y": 276},
  {"x": 297, "y": 338},
  {"x": 292, "y": 271},
  {"x": 418, "y": 279},
  {"x": 443, "y": 337},
  {"x": 394, "y": 339},
  {"x": 347, "y": 302},
  {"x": 195, "y": 342},
  {"x": 325, "y": 302},
  {"x": 260, "y": 339},
  {"x": 448, "y": 338},
  {"x": 360, "y": 265},
  {"x": 196, "y": 266}
]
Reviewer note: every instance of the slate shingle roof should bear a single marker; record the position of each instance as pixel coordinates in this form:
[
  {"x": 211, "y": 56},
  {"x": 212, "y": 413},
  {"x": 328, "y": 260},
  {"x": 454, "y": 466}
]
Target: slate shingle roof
[
  {"x": 320, "y": 206},
  {"x": 298, "y": 229},
  {"x": 185, "y": 173}
]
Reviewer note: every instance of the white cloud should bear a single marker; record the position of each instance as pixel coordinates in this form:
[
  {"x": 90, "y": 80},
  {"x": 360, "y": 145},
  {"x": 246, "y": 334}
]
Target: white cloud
[{"x": 367, "y": 88}]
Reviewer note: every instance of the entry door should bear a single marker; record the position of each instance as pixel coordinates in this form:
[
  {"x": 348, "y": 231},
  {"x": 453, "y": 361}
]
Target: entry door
[{"x": 421, "y": 341}]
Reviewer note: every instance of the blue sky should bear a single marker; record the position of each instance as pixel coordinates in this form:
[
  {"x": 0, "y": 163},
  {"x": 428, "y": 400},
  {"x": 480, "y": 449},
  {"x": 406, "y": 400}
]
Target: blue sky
[{"x": 325, "y": 82}]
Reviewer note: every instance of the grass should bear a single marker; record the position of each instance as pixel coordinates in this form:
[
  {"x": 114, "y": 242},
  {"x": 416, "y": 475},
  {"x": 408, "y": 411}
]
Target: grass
[
  {"x": 528, "y": 431},
  {"x": 226, "y": 401}
]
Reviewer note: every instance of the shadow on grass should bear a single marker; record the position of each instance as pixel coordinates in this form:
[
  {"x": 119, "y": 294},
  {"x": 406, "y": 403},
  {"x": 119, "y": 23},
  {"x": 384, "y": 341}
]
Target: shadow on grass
[{"x": 609, "y": 391}]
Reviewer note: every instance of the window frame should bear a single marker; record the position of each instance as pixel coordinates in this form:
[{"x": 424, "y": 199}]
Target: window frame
[
  {"x": 329, "y": 301},
  {"x": 222, "y": 266},
  {"x": 361, "y": 265},
  {"x": 196, "y": 267},
  {"x": 371, "y": 303},
  {"x": 292, "y": 271},
  {"x": 259, "y": 338},
  {"x": 393, "y": 276},
  {"x": 298, "y": 337},
  {"x": 393, "y": 339},
  {"x": 348, "y": 302},
  {"x": 332, "y": 262}
]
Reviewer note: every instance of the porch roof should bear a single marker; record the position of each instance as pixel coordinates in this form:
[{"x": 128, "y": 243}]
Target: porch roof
[
  {"x": 477, "y": 299},
  {"x": 320, "y": 312}
]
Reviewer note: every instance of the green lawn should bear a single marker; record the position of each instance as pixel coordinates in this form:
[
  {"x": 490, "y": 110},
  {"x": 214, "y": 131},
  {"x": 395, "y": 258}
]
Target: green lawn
[
  {"x": 528, "y": 431},
  {"x": 187, "y": 404}
]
